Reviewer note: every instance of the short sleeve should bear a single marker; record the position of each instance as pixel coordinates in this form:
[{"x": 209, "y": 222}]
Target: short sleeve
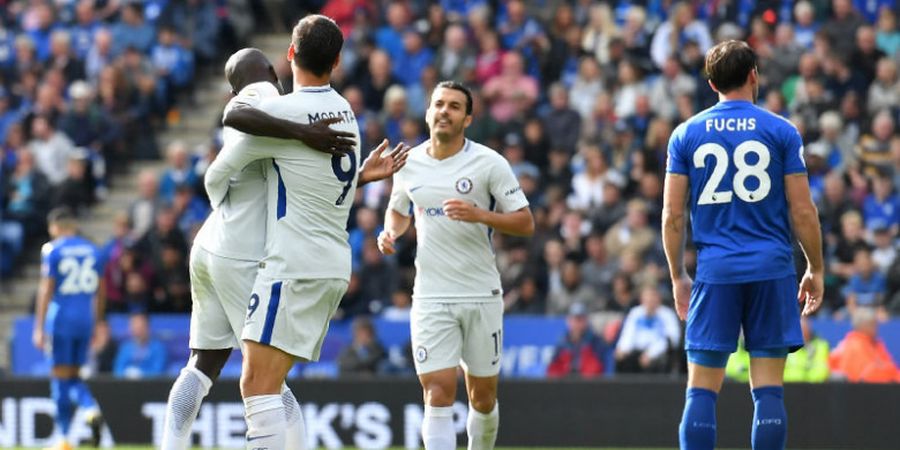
[
  {"x": 676, "y": 162},
  {"x": 793, "y": 148},
  {"x": 505, "y": 188},
  {"x": 400, "y": 200},
  {"x": 49, "y": 263}
]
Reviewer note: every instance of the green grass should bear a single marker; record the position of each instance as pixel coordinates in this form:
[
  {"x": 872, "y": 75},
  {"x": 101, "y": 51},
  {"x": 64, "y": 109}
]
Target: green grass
[{"x": 401, "y": 448}]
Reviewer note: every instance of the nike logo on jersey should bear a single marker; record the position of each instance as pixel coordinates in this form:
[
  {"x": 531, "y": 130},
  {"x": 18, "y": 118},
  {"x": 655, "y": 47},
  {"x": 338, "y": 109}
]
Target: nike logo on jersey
[
  {"x": 414, "y": 189},
  {"x": 494, "y": 362}
]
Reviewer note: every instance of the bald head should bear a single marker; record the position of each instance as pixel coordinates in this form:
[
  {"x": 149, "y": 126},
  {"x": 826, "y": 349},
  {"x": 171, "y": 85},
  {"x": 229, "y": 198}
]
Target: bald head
[{"x": 248, "y": 66}]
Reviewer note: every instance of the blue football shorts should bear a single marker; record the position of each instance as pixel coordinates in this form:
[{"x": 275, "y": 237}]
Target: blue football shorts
[
  {"x": 69, "y": 350},
  {"x": 767, "y": 311}
]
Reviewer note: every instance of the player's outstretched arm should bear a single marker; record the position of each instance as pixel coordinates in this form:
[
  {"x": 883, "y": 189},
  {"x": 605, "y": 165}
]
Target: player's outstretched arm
[
  {"x": 673, "y": 223},
  {"x": 805, "y": 221},
  {"x": 317, "y": 135},
  {"x": 379, "y": 166},
  {"x": 516, "y": 223}
]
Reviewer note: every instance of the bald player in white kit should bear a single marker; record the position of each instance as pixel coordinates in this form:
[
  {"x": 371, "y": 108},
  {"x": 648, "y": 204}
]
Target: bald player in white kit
[
  {"x": 307, "y": 265},
  {"x": 229, "y": 246},
  {"x": 459, "y": 191}
]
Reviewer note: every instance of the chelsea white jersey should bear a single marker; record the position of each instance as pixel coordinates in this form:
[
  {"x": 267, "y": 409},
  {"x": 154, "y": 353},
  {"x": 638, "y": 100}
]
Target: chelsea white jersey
[
  {"x": 309, "y": 192},
  {"x": 455, "y": 260},
  {"x": 236, "y": 228}
]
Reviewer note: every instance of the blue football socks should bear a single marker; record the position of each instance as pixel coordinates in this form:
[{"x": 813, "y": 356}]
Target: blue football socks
[
  {"x": 769, "y": 418},
  {"x": 698, "y": 424},
  {"x": 60, "y": 391}
]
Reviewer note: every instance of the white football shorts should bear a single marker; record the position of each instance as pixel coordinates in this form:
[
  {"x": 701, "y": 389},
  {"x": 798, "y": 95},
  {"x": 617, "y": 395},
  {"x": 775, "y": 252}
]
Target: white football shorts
[
  {"x": 445, "y": 334},
  {"x": 220, "y": 290},
  {"x": 292, "y": 315}
]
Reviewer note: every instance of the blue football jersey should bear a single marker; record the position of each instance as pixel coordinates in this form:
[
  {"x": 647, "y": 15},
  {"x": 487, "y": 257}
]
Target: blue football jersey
[
  {"x": 74, "y": 264},
  {"x": 736, "y": 155}
]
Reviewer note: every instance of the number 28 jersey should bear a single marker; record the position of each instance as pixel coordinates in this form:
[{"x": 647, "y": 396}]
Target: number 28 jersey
[
  {"x": 736, "y": 156},
  {"x": 73, "y": 263}
]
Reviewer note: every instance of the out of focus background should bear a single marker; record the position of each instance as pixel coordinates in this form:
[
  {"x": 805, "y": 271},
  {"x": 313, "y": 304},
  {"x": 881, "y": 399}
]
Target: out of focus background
[{"x": 113, "y": 108}]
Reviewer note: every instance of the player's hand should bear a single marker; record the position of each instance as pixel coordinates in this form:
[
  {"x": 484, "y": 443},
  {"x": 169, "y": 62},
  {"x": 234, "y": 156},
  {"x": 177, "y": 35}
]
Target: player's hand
[
  {"x": 320, "y": 136},
  {"x": 681, "y": 291},
  {"x": 379, "y": 166},
  {"x": 462, "y": 210},
  {"x": 812, "y": 287},
  {"x": 386, "y": 242},
  {"x": 37, "y": 338}
]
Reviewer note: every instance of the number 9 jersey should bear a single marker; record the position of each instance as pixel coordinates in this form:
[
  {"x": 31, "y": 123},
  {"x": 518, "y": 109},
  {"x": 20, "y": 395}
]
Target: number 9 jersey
[
  {"x": 73, "y": 263},
  {"x": 736, "y": 156}
]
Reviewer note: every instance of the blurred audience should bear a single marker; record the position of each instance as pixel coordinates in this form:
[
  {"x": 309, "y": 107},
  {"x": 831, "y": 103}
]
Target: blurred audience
[
  {"x": 861, "y": 356},
  {"x": 140, "y": 355},
  {"x": 581, "y": 353}
]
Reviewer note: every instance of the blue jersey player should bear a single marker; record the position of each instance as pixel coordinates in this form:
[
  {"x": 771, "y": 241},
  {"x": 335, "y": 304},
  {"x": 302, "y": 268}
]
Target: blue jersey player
[
  {"x": 741, "y": 169},
  {"x": 69, "y": 305}
]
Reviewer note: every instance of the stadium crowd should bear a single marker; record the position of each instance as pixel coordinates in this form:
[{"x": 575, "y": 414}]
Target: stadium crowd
[{"x": 580, "y": 96}]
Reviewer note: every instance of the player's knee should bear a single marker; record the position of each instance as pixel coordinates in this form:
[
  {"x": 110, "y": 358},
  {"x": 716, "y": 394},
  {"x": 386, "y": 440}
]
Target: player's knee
[
  {"x": 483, "y": 402},
  {"x": 210, "y": 362},
  {"x": 437, "y": 394}
]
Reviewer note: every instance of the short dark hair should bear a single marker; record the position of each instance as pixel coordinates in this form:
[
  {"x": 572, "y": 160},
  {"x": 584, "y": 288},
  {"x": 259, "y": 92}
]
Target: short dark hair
[
  {"x": 729, "y": 63},
  {"x": 317, "y": 43},
  {"x": 61, "y": 215},
  {"x": 455, "y": 85}
]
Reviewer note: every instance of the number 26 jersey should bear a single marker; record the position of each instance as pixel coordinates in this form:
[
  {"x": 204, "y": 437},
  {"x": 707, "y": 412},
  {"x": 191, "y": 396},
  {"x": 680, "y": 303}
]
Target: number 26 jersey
[{"x": 736, "y": 156}]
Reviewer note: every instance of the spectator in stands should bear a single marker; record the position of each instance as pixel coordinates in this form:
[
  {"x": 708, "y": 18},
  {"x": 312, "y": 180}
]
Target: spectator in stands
[
  {"x": 881, "y": 208},
  {"x": 190, "y": 209},
  {"x": 867, "y": 285},
  {"x": 376, "y": 83},
  {"x": 76, "y": 190},
  {"x": 100, "y": 54},
  {"x": 394, "y": 112},
  {"x": 585, "y": 88},
  {"x": 861, "y": 357},
  {"x": 649, "y": 337},
  {"x": 884, "y": 92},
  {"x": 809, "y": 364},
  {"x": 196, "y": 22},
  {"x": 883, "y": 252},
  {"x": 632, "y": 233},
  {"x": 63, "y": 59},
  {"x": 42, "y": 28},
  {"x": 12, "y": 237},
  {"x": 365, "y": 354},
  {"x": 511, "y": 93},
  {"x": 143, "y": 210},
  {"x": 675, "y": 33},
  {"x": 377, "y": 276},
  {"x": 103, "y": 350},
  {"x": 413, "y": 59},
  {"x": 51, "y": 149},
  {"x": 580, "y": 353},
  {"x": 874, "y": 149},
  {"x": 631, "y": 86},
  {"x": 587, "y": 186},
  {"x": 132, "y": 30},
  {"x": 805, "y": 24},
  {"x": 780, "y": 58},
  {"x": 562, "y": 124},
  {"x": 456, "y": 59},
  {"x": 622, "y": 293},
  {"x": 399, "y": 309},
  {"x": 390, "y": 36},
  {"x": 174, "y": 66},
  {"x": 28, "y": 195},
  {"x": 112, "y": 249},
  {"x": 672, "y": 83},
  {"x": 887, "y": 37},
  {"x": 866, "y": 55},
  {"x": 367, "y": 226},
  {"x": 84, "y": 30},
  {"x": 489, "y": 62},
  {"x": 140, "y": 355},
  {"x": 850, "y": 240},
  {"x": 179, "y": 172},
  {"x": 571, "y": 291},
  {"x": 525, "y": 297},
  {"x": 87, "y": 126},
  {"x": 844, "y": 22},
  {"x": 165, "y": 233}
]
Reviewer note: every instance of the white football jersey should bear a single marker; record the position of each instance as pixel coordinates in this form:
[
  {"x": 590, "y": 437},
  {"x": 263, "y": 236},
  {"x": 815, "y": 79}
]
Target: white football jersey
[
  {"x": 309, "y": 192},
  {"x": 455, "y": 260},
  {"x": 236, "y": 228}
]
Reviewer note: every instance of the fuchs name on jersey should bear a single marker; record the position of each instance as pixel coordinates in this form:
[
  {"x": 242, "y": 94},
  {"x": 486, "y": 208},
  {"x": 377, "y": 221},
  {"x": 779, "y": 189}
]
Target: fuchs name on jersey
[
  {"x": 731, "y": 124},
  {"x": 345, "y": 116}
]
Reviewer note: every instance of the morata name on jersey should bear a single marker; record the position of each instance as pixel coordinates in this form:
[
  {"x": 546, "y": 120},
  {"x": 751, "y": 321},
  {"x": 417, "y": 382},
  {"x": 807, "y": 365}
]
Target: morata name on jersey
[
  {"x": 345, "y": 116},
  {"x": 731, "y": 124}
]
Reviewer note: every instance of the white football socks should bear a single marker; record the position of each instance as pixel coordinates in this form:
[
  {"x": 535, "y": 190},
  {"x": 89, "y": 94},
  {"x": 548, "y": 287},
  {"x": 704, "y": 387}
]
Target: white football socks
[
  {"x": 437, "y": 428},
  {"x": 482, "y": 428},
  {"x": 184, "y": 401},
  {"x": 295, "y": 436},
  {"x": 266, "y": 422}
]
